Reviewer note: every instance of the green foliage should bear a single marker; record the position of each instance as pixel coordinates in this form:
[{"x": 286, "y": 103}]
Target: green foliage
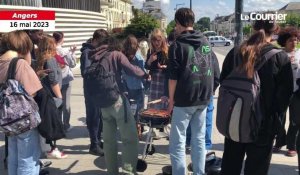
[
  {"x": 141, "y": 25},
  {"x": 170, "y": 27},
  {"x": 247, "y": 30},
  {"x": 292, "y": 19},
  {"x": 203, "y": 24}
]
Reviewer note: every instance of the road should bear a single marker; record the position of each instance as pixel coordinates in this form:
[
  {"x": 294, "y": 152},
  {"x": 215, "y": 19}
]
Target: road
[{"x": 223, "y": 50}]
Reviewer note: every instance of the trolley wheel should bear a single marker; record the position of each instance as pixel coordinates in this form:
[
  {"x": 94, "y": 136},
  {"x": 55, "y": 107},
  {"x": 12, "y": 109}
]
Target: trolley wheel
[{"x": 152, "y": 149}]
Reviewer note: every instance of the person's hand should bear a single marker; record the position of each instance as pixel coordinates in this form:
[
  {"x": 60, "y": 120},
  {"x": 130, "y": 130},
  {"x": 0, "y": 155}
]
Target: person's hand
[
  {"x": 170, "y": 106},
  {"x": 164, "y": 99},
  {"x": 161, "y": 66},
  {"x": 152, "y": 58},
  {"x": 149, "y": 78},
  {"x": 43, "y": 73},
  {"x": 73, "y": 48}
]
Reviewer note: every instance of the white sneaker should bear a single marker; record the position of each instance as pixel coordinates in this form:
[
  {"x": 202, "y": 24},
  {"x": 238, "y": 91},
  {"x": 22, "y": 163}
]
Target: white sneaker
[{"x": 56, "y": 154}]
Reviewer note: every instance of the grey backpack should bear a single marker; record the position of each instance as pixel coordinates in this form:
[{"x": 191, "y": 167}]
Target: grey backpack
[
  {"x": 18, "y": 111},
  {"x": 239, "y": 113}
]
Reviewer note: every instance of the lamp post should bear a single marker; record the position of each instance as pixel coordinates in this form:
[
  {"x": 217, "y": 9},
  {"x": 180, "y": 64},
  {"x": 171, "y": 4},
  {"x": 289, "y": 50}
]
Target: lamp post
[
  {"x": 239, "y": 25},
  {"x": 191, "y": 4},
  {"x": 178, "y": 5}
]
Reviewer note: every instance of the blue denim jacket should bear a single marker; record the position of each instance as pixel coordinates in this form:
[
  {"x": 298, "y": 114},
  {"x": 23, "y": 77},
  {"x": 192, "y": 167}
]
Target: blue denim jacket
[{"x": 135, "y": 82}]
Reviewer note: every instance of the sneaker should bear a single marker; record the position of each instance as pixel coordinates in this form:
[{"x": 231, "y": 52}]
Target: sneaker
[
  {"x": 45, "y": 163},
  {"x": 101, "y": 144},
  {"x": 276, "y": 149},
  {"x": 291, "y": 153},
  {"x": 56, "y": 154},
  {"x": 96, "y": 151},
  {"x": 69, "y": 128}
]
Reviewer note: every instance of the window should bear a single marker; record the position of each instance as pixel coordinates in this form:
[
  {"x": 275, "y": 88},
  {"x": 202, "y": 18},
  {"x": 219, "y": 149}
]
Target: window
[{"x": 216, "y": 38}]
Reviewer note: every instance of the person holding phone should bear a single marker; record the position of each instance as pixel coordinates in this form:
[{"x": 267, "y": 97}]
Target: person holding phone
[{"x": 156, "y": 63}]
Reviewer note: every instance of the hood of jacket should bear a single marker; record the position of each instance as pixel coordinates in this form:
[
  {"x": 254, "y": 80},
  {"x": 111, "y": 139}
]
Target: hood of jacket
[
  {"x": 86, "y": 46},
  {"x": 97, "y": 53},
  {"x": 192, "y": 37}
]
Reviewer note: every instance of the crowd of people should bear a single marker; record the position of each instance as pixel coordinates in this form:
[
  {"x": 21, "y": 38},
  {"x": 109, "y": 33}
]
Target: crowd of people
[{"x": 181, "y": 71}]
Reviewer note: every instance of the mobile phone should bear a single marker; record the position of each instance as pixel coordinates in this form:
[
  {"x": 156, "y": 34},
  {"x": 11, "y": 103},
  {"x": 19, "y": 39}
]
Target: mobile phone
[{"x": 48, "y": 70}]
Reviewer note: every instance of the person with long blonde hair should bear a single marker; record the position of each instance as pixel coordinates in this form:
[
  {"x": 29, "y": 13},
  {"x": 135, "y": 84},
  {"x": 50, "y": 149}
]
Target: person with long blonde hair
[
  {"x": 51, "y": 81},
  {"x": 156, "y": 63}
]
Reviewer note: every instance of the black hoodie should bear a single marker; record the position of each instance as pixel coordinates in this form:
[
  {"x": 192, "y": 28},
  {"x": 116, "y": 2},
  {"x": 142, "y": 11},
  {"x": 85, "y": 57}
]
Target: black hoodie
[
  {"x": 191, "y": 64},
  {"x": 86, "y": 47}
]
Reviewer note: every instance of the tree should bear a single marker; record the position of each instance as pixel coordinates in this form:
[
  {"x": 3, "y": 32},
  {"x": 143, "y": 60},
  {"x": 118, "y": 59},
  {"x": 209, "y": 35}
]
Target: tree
[
  {"x": 247, "y": 30},
  {"x": 170, "y": 27},
  {"x": 203, "y": 23},
  {"x": 291, "y": 19},
  {"x": 141, "y": 25}
]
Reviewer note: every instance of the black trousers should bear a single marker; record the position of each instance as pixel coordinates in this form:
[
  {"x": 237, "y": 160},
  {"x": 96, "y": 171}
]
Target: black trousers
[{"x": 257, "y": 161}]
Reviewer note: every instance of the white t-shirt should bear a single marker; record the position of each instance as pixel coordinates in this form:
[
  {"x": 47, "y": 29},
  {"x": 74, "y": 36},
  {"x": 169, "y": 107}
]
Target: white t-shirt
[{"x": 295, "y": 66}]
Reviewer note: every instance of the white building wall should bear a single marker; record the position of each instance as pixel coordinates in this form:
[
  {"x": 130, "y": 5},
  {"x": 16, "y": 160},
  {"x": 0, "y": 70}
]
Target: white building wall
[{"x": 77, "y": 25}]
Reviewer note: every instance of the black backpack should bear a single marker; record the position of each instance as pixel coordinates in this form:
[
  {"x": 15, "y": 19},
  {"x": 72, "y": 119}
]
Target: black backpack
[
  {"x": 101, "y": 82},
  {"x": 239, "y": 112},
  {"x": 51, "y": 126}
]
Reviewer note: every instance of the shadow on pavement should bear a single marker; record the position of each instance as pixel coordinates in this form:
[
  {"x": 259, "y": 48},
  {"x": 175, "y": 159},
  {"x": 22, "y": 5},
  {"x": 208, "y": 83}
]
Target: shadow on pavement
[
  {"x": 56, "y": 171},
  {"x": 77, "y": 132}
]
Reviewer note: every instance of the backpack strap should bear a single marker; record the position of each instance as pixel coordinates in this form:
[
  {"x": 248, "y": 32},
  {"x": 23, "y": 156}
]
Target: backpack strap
[
  {"x": 11, "y": 72},
  {"x": 266, "y": 57}
]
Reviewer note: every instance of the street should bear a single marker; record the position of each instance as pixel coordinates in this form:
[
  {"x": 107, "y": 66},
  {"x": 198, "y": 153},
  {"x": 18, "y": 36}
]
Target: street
[{"x": 222, "y": 50}]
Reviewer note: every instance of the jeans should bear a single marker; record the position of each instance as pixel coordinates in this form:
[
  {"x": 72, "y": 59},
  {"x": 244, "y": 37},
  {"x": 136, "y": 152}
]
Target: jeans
[
  {"x": 23, "y": 153},
  {"x": 137, "y": 95},
  {"x": 181, "y": 118},
  {"x": 209, "y": 115},
  {"x": 93, "y": 119},
  {"x": 66, "y": 94},
  {"x": 113, "y": 118}
]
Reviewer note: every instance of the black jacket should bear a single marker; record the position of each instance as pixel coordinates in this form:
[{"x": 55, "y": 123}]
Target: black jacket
[
  {"x": 193, "y": 87},
  {"x": 86, "y": 47},
  {"x": 276, "y": 79}
]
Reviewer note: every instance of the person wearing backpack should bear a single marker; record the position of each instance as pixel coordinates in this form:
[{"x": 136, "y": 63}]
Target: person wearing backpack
[
  {"x": 190, "y": 72},
  {"x": 257, "y": 60},
  {"x": 24, "y": 149},
  {"x": 104, "y": 78},
  {"x": 93, "y": 114},
  {"x": 51, "y": 82}
]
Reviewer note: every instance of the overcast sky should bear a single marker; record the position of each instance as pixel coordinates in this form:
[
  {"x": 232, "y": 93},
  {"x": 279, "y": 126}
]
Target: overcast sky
[{"x": 211, "y": 8}]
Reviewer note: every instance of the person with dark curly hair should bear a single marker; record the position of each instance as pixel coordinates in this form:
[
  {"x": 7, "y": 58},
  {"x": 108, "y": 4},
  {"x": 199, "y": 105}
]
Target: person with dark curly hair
[{"x": 288, "y": 39}]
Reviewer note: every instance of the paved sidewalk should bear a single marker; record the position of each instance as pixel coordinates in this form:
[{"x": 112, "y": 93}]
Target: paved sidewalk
[{"x": 79, "y": 162}]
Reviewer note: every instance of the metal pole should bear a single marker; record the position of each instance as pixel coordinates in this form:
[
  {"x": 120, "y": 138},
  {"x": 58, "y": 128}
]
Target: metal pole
[
  {"x": 191, "y": 4},
  {"x": 177, "y": 6},
  {"x": 238, "y": 25}
]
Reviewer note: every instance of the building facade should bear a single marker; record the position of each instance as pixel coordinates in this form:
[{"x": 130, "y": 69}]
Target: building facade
[
  {"x": 153, "y": 7},
  {"x": 118, "y": 13}
]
